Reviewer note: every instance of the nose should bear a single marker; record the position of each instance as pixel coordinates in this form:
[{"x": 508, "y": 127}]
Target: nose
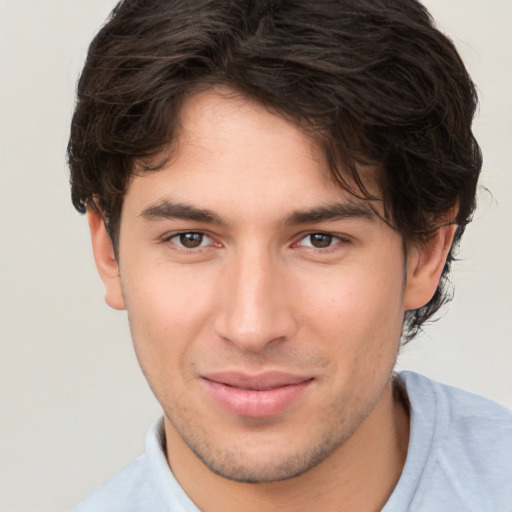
[{"x": 255, "y": 307}]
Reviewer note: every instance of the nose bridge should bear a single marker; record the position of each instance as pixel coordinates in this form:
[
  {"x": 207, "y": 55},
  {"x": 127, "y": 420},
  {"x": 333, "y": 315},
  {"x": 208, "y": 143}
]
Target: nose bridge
[{"x": 255, "y": 311}]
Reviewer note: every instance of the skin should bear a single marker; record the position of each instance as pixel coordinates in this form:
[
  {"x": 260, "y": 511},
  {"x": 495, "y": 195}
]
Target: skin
[{"x": 256, "y": 295}]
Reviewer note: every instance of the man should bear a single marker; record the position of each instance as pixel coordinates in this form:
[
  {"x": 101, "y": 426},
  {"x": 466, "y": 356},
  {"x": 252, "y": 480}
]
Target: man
[{"x": 274, "y": 191}]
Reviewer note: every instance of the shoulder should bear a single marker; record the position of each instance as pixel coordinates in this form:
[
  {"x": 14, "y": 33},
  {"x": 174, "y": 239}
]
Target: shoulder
[
  {"x": 458, "y": 411},
  {"x": 422, "y": 385},
  {"x": 469, "y": 441},
  {"x": 127, "y": 491},
  {"x": 147, "y": 483}
]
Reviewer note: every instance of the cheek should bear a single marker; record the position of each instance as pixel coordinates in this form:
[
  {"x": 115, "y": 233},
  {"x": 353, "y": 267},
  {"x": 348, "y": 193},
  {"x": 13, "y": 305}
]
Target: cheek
[
  {"x": 350, "y": 297},
  {"x": 355, "y": 310},
  {"x": 168, "y": 311}
]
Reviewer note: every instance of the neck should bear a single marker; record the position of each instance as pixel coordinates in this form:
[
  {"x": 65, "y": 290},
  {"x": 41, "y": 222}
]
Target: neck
[{"x": 360, "y": 475}]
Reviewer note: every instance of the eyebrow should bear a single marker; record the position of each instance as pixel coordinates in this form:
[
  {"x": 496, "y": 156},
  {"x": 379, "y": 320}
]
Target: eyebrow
[
  {"x": 168, "y": 209},
  {"x": 330, "y": 212}
]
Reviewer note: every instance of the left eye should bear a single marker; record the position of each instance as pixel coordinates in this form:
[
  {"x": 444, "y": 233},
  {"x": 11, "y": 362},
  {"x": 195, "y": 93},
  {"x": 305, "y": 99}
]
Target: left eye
[
  {"x": 319, "y": 240},
  {"x": 191, "y": 240}
]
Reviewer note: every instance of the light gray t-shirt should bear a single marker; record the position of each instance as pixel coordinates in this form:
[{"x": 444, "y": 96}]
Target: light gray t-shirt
[{"x": 459, "y": 460}]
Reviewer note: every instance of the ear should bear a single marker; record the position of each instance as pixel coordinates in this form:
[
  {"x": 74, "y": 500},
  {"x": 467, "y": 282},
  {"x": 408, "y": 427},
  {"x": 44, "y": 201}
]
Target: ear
[
  {"x": 425, "y": 264},
  {"x": 106, "y": 262}
]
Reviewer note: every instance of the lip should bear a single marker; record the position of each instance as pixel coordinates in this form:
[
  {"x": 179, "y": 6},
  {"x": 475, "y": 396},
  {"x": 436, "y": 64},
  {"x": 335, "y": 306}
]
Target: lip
[{"x": 256, "y": 396}]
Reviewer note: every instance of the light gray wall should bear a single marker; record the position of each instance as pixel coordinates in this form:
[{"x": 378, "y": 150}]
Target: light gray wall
[{"x": 74, "y": 406}]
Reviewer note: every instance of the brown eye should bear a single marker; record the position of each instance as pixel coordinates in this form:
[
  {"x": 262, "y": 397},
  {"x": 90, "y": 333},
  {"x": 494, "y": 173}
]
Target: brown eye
[
  {"x": 191, "y": 240},
  {"x": 321, "y": 240}
]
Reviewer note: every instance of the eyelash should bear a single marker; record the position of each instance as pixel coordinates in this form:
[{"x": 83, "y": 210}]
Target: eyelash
[
  {"x": 181, "y": 247},
  {"x": 334, "y": 241}
]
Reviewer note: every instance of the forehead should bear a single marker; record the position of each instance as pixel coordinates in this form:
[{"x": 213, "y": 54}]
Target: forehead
[
  {"x": 228, "y": 146},
  {"x": 226, "y": 125}
]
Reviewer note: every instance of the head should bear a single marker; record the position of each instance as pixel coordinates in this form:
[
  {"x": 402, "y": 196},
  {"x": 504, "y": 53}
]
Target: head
[
  {"x": 368, "y": 101},
  {"x": 372, "y": 82}
]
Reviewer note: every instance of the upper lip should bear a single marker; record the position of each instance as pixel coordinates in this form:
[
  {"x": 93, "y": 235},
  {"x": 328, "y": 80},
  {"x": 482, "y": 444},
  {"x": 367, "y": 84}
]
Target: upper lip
[{"x": 260, "y": 381}]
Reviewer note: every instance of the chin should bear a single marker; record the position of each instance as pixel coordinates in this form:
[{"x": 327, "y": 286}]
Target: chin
[{"x": 259, "y": 465}]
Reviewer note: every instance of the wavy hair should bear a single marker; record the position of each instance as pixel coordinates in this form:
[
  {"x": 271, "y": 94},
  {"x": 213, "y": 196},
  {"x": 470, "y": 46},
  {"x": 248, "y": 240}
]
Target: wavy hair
[{"x": 373, "y": 81}]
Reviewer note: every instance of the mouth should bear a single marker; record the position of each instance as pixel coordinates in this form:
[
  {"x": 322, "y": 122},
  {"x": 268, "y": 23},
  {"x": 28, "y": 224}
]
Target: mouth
[{"x": 256, "y": 396}]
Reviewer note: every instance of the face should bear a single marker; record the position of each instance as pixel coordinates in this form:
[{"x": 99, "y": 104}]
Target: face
[{"x": 265, "y": 303}]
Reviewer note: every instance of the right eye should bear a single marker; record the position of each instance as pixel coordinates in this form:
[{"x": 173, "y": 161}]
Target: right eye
[
  {"x": 190, "y": 240},
  {"x": 319, "y": 240}
]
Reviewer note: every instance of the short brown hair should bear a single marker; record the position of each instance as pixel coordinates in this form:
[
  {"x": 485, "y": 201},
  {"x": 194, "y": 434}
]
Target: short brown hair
[{"x": 373, "y": 80}]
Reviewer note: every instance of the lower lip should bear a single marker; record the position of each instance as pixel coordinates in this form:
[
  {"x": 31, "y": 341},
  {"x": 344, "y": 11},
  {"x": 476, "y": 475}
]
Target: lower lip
[{"x": 253, "y": 403}]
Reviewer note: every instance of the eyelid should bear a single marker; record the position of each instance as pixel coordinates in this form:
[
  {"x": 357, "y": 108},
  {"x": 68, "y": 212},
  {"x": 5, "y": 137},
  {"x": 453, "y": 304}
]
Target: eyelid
[
  {"x": 169, "y": 237},
  {"x": 338, "y": 239}
]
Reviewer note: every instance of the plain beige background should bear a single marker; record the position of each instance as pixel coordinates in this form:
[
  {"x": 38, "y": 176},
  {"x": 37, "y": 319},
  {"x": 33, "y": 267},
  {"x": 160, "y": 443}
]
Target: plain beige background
[{"x": 74, "y": 405}]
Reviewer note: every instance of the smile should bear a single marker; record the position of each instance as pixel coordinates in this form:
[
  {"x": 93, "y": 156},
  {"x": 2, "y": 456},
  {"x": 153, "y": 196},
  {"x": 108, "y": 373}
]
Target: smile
[{"x": 260, "y": 396}]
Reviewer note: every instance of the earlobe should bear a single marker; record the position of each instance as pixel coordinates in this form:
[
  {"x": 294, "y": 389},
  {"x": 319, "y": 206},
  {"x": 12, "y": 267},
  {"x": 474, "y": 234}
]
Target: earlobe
[
  {"x": 424, "y": 267},
  {"x": 106, "y": 262}
]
